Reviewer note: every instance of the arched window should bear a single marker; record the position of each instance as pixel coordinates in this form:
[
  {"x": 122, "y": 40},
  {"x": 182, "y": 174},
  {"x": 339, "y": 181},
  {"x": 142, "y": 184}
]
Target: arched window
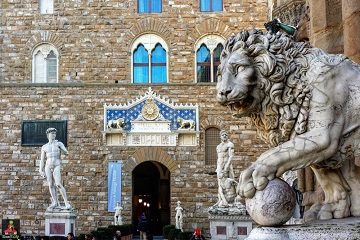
[
  {"x": 45, "y": 64},
  {"x": 212, "y": 139},
  {"x": 208, "y": 51},
  {"x": 149, "y": 59}
]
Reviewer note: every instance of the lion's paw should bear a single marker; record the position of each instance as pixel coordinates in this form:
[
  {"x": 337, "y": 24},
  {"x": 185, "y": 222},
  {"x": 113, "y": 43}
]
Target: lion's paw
[
  {"x": 246, "y": 188},
  {"x": 254, "y": 178},
  {"x": 325, "y": 211}
]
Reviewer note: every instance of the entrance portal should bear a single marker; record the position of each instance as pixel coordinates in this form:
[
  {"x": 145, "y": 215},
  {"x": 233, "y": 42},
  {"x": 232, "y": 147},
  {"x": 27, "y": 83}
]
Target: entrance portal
[{"x": 151, "y": 195}]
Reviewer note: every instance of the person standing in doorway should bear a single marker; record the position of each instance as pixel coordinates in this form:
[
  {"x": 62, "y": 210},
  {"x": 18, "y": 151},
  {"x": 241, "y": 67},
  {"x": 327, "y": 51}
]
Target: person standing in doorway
[{"x": 143, "y": 226}]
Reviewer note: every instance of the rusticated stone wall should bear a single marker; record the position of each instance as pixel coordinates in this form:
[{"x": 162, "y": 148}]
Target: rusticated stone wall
[
  {"x": 94, "y": 37},
  {"x": 24, "y": 195}
]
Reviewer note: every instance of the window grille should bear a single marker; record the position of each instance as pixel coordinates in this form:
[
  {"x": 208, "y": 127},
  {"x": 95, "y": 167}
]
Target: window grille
[{"x": 212, "y": 139}]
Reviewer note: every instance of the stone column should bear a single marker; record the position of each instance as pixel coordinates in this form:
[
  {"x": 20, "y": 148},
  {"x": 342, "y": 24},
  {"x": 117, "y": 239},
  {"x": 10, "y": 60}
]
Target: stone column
[
  {"x": 326, "y": 25},
  {"x": 351, "y": 23}
]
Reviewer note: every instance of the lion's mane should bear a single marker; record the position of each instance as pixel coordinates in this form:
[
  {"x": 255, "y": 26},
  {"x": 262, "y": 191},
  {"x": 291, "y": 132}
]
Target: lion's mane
[{"x": 284, "y": 70}]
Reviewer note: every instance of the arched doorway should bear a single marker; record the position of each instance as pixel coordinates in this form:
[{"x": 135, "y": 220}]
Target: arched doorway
[{"x": 151, "y": 195}]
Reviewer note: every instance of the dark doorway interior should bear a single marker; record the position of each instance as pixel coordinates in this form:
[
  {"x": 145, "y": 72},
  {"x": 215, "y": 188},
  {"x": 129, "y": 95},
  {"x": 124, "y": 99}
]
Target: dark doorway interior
[{"x": 151, "y": 195}]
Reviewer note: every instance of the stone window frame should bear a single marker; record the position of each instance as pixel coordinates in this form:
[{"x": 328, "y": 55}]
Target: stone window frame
[
  {"x": 46, "y": 6},
  {"x": 211, "y": 42},
  {"x": 45, "y": 49},
  {"x": 149, "y": 41}
]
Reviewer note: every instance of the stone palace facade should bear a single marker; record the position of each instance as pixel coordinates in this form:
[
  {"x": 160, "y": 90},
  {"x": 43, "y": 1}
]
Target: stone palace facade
[{"x": 130, "y": 83}]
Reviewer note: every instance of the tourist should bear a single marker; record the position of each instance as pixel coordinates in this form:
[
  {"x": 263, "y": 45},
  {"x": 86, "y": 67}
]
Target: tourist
[
  {"x": 197, "y": 235},
  {"x": 117, "y": 235},
  {"x": 70, "y": 236},
  {"x": 142, "y": 227}
]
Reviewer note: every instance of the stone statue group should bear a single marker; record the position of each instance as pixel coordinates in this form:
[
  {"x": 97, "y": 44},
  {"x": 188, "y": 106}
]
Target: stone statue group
[{"x": 228, "y": 199}]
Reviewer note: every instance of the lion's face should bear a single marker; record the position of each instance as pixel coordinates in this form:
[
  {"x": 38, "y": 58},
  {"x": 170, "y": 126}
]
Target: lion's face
[{"x": 236, "y": 81}]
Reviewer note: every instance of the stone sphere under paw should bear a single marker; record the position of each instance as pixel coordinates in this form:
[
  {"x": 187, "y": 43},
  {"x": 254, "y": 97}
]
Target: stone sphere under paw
[{"x": 274, "y": 205}]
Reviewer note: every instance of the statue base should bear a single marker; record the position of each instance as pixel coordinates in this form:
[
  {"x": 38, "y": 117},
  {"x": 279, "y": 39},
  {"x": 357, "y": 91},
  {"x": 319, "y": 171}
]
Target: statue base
[
  {"x": 59, "y": 222},
  {"x": 226, "y": 227},
  {"x": 344, "y": 229}
]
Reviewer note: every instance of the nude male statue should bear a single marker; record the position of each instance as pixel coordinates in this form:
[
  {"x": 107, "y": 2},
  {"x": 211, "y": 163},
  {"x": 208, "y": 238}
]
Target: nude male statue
[
  {"x": 225, "y": 152},
  {"x": 52, "y": 152},
  {"x": 179, "y": 216},
  {"x": 117, "y": 215}
]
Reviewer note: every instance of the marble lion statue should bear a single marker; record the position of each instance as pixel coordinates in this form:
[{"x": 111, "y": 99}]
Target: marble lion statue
[
  {"x": 116, "y": 124},
  {"x": 305, "y": 104},
  {"x": 186, "y": 124}
]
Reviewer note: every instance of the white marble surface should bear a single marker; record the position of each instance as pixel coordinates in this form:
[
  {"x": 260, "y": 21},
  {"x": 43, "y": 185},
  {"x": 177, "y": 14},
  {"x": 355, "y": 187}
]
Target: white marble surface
[
  {"x": 305, "y": 104},
  {"x": 341, "y": 229}
]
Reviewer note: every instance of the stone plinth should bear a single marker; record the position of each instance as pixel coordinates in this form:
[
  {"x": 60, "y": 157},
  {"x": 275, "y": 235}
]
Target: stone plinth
[
  {"x": 344, "y": 229},
  {"x": 59, "y": 223},
  {"x": 226, "y": 227}
]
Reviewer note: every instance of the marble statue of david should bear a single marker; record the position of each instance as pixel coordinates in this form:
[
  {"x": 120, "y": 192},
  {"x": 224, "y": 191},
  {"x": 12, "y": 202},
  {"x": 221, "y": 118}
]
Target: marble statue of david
[{"x": 52, "y": 152}]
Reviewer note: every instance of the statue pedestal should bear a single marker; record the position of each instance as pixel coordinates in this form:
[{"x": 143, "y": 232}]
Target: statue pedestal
[
  {"x": 59, "y": 223},
  {"x": 344, "y": 229},
  {"x": 226, "y": 227}
]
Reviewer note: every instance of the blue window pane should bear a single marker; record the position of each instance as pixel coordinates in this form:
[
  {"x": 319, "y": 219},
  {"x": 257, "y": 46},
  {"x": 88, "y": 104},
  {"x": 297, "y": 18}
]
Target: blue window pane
[
  {"x": 203, "y": 54},
  {"x": 203, "y": 64},
  {"x": 158, "y": 55},
  {"x": 211, "y": 5},
  {"x": 141, "y": 74},
  {"x": 141, "y": 65},
  {"x": 204, "y": 5},
  {"x": 217, "y": 53},
  {"x": 158, "y": 62},
  {"x": 158, "y": 74},
  {"x": 141, "y": 55},
  {"x": 217, "y": 5},
  {"x": 143, "y": 6},
  {"x": 156, "y": 6},
  {"x": 203, "y": 74}
]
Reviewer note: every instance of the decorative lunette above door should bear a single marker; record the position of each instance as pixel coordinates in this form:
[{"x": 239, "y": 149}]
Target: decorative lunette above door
[{"x": 151, "y": 120}]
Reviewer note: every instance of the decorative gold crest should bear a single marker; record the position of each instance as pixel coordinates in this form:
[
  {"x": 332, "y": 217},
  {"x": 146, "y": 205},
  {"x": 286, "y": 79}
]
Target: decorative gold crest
[{"x": 150, "y": 110}]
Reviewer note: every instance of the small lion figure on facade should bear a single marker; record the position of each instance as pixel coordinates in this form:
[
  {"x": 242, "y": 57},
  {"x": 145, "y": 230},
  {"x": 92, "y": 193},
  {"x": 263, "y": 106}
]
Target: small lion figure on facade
[
  {"x": 116, "y": 124},
  {"x": 186, "y": 124}
]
